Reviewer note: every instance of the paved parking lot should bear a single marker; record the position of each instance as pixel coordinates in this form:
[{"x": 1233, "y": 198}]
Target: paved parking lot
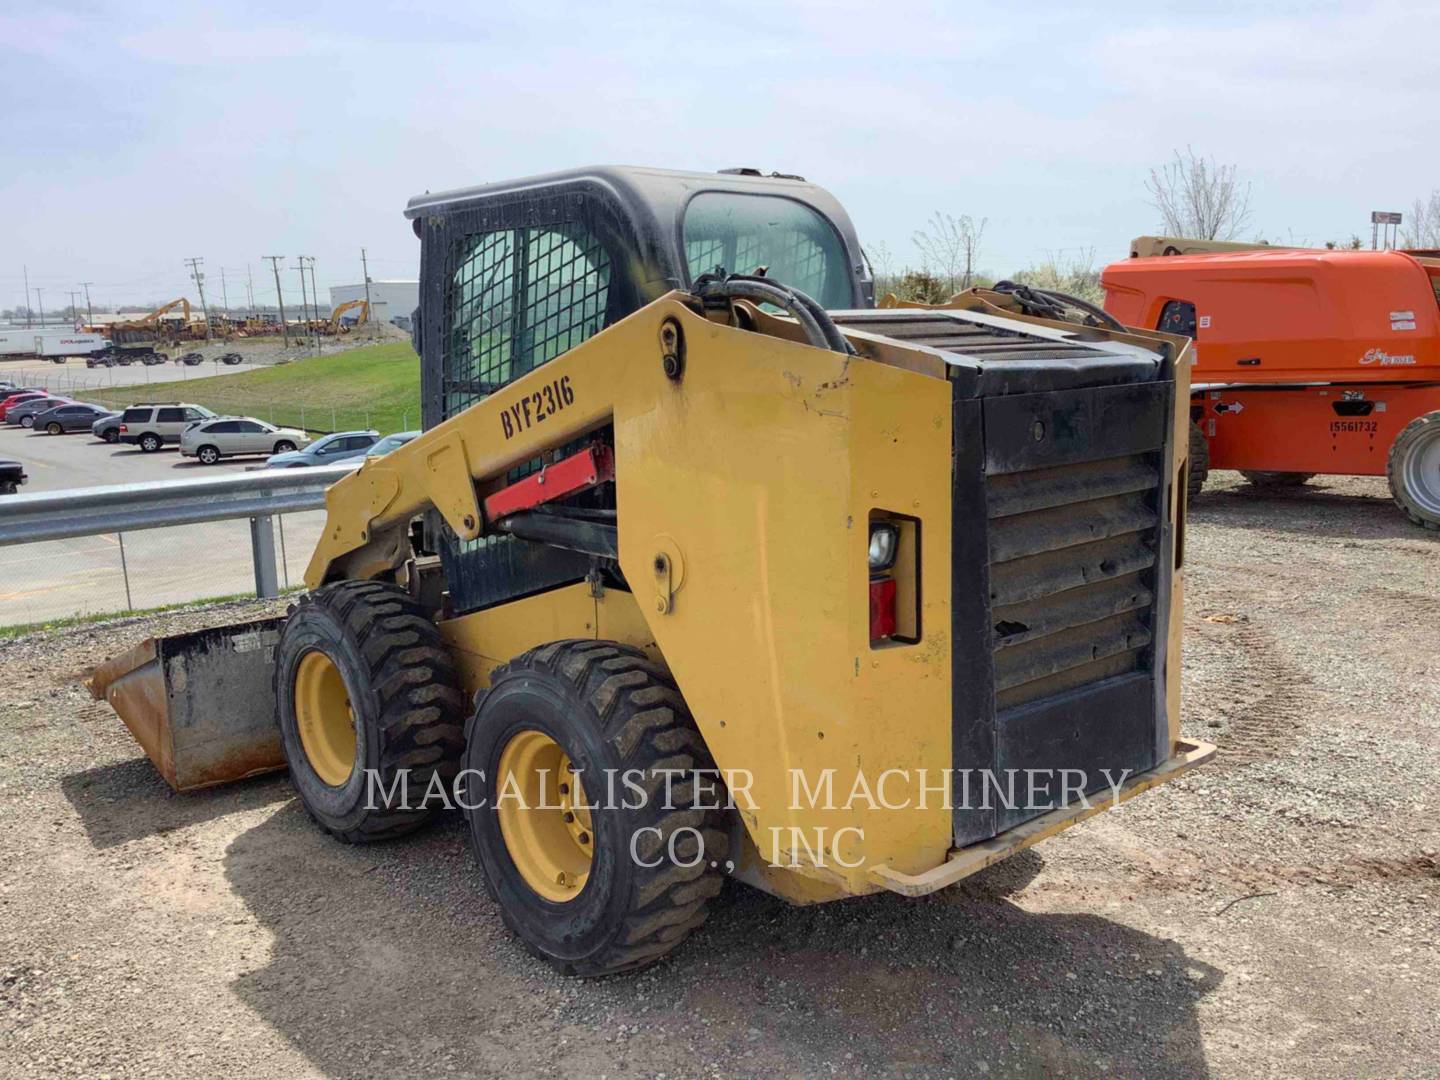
[{"x": 89, "y": 574}]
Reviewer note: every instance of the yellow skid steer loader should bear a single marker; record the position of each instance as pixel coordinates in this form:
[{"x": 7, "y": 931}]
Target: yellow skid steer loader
[{"x": 707, "y": 567}]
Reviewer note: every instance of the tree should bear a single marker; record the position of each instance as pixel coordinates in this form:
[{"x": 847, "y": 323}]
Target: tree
[
  {"x": 1075, "y": 278},
  {"x": 922, "y": 287},
  {"x": 882, "y": 265},
  {"x": 1198, "y": 198},
  {"x": 1424, "y": 228},
  {"x": 949, "y": 247}
]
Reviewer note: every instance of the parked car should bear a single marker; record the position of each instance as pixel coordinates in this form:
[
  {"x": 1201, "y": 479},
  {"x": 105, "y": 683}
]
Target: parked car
[
  {"x": 12, "y": 475},
  {"x": 328, "y": 450},
  {"x": 75, "y": 416},
  {"x": 19, "y": 398},
  {"x": 228, "y": 436},
  {"x": 158, "y": 424},
  {"x": 107, "y": 428},
  {"x": 391, "y": 442},
  {"x": 25, "y": 412}
]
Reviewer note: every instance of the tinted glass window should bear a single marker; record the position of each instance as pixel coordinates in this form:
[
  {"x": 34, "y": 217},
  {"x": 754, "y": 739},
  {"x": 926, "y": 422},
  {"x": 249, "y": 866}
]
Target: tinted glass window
[
  {"x": 742, "y": 233},
  {"x": 131, "y": 416},
  {"x": 170, "y": 416},
  {"x": 1178, "y": 317},
  {"x": 249, "y": 427},
  {"x": 222, "y": 427},
  {"x": 517, "y": 298},
  {"x": 197, "y": 414}
]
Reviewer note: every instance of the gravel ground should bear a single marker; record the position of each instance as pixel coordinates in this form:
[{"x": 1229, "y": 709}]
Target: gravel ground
[{"x": 1275, "y": 914}]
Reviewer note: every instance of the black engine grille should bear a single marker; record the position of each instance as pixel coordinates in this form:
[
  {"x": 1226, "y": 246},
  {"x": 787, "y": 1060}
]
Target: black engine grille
[{"x": 1072, "y": 557}]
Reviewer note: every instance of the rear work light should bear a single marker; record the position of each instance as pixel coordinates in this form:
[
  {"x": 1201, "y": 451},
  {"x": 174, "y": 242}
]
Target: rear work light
[{"x": 893, "y": 561}]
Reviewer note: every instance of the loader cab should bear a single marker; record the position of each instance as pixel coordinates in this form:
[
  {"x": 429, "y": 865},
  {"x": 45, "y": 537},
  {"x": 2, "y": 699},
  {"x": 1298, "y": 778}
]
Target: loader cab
[{"x": 517, "y": 273}]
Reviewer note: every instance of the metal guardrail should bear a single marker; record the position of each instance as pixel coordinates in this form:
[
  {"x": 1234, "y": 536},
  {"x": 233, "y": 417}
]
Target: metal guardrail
[{"x": 122, "y": 508}]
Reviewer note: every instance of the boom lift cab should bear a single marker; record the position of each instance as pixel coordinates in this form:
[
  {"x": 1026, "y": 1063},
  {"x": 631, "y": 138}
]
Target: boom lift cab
[
  {"x": 1307, "y": 361},
  {"x": 705, "y": 566}
]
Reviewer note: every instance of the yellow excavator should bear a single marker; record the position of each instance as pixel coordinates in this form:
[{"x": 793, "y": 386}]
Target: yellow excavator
[
  {"x": 706, "y": 568},
  {"x": 337, "y": 322}
]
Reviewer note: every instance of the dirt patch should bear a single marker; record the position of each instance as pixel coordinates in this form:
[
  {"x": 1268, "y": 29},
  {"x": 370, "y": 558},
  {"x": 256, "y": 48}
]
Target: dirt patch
[{"x": 1276, "y": 914}]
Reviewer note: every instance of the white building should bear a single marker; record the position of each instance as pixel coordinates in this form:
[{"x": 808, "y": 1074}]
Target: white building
[{"x": 388, "y": 299}]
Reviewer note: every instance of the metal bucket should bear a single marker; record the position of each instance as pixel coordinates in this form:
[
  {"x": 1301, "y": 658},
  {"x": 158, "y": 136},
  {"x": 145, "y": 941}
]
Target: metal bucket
[{"x": 202, "y": 705}]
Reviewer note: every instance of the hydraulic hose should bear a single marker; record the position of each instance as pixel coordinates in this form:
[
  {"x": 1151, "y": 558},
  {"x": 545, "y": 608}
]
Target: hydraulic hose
[
  {"x": 1051, "y": 304},
  {"x": 820, "y": 330}
]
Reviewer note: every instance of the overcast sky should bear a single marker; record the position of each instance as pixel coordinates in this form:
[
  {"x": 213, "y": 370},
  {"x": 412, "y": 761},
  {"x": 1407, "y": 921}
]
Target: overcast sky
[{"x": 138, "y": 134}]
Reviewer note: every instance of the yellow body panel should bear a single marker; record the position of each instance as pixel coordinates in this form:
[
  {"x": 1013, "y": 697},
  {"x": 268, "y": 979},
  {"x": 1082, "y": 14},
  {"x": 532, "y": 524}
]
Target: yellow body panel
[
  {"x": 744, "y": 492},
  {"x": 482, "y": 641}
]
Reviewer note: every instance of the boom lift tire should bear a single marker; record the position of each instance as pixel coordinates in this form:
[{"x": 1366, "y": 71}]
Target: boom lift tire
[
  {"x": 363, "y": 683},
  {"x": 1199, "y": 461},
  {"x": 1265, "y": 479},
  {"x": 582, "y": 874},
  {"x": 1413, "y": 470}
]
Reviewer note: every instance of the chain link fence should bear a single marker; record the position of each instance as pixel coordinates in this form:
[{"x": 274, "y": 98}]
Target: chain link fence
[
  {"x": 112, "y": 573},
  {"x": 101, "y": 387}
]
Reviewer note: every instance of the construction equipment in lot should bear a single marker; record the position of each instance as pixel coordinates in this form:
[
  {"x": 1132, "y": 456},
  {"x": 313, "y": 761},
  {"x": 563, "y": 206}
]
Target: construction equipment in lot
[
  {"x": 337, "y": 317},
  {"x": 1308, "y": 361},
  {"x": 687, "y": 501},
  {"x": 155, "y": 327}
]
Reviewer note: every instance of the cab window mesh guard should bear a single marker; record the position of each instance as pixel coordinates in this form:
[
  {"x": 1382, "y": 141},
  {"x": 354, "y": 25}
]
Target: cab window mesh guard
[{"x": 517, "y": 298}]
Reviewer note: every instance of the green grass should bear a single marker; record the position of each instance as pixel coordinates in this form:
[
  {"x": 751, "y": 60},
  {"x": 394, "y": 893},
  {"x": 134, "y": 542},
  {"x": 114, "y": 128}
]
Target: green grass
[{"x": 376, "y": 386}]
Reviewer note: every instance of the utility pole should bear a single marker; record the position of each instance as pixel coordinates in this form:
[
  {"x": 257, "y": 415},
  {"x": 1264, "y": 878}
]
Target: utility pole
[
  {"x": 200, "y": 286},
  {"x": 304, "y": 303},
  {"x": 40, "y": 300},
  {"x": 250, "y": 290},
  {"x": 28, "y": 321},
  {"x": 365, "y": 267},
  {"x": 314, "y": 299},
  {"x": 74, "y": 305},
  {"x": 279, "y": 296},
  {"x": 89, "y": 311},
  {"x": 224, "y": 293}
]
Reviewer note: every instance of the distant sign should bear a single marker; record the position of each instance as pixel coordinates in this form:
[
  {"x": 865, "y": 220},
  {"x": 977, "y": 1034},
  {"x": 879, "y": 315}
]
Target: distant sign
[{"x": 1384, "y": 217}]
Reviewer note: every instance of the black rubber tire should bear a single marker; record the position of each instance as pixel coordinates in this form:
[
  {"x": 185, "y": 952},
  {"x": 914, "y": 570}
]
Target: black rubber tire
[
  {"x": 609, "y": 707},
  {"x": 1420, "y": 430},
  {"x": 405, "y": 691},
  {"x": 55, "y": 428},
  {"x": 284, "y": 446},
  {"x": 1199, "y": 461},
  {"x": 208, "y": 455},
  {"x": 27, "y": 422},
  {"x": 1265, "y": 479},
  {"x": 150, "y": 443},
  {"x": 112, "y": 435},
  {"x": 9, "y": 487}
]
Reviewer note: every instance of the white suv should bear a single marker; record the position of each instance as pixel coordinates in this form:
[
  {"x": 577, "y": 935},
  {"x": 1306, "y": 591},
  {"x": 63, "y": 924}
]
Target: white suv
[
  {"x": 230, "y": 435},
  {"x": 153, "y": 425}
]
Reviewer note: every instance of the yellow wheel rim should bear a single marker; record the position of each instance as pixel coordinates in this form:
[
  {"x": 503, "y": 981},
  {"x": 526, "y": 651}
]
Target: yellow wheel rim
[
  {"x": 325, "y": 719},
  {"x": 544, "y": 816}
]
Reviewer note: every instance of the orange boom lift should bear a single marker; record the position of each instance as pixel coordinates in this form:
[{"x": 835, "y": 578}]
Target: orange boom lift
[{"x": 1308, "y": 361}]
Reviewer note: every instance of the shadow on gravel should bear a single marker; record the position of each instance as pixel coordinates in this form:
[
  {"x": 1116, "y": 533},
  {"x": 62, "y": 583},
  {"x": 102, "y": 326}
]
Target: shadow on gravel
[
  {"x": 1311, "y": 510},
  {"x": 392, "y": 957},
  {"x": 127, "y": 801}
]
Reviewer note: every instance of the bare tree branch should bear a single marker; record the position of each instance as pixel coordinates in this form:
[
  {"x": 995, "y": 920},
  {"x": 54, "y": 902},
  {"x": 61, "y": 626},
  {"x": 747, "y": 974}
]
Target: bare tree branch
[
  {"x": 950, "y": 248},
  {"x": 1198, "y": 198},
  {"x": 1424, "y": 228}
]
